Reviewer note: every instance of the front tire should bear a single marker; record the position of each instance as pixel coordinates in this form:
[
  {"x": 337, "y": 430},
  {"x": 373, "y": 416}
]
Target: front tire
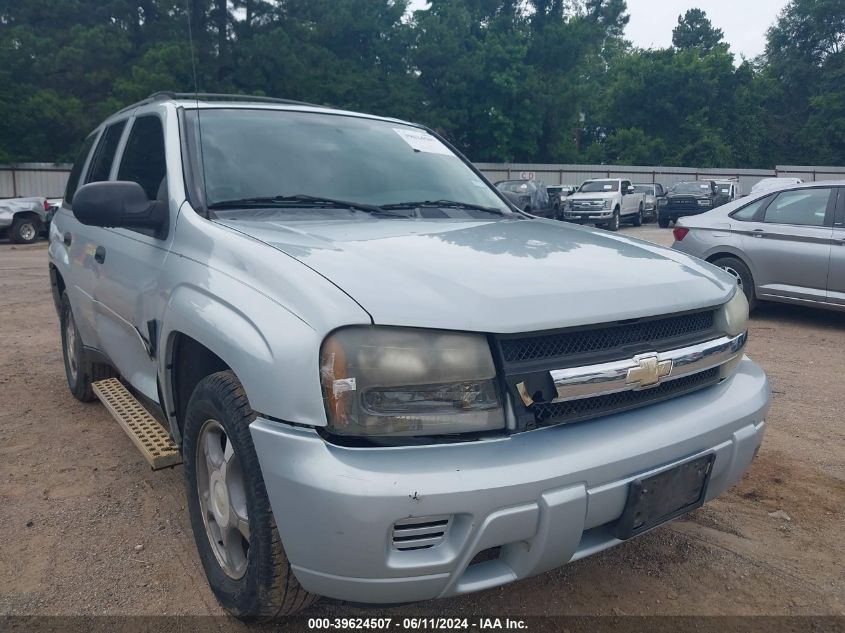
[
  {"x": 24, "y": 230},
  {"x": 79, "y": 371},
  {"x": 737, "y": 269},
  {"x": 663, "y": 223},
  {"x": 233, "y": 525},
  {"x": 613, "y": 225}
]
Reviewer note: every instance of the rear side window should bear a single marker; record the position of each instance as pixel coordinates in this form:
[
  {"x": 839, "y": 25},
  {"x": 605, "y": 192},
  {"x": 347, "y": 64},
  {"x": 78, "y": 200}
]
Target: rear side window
[
  {"x": 750, "y": 212},
  {"x": 104, "y": 156},
  {"x": 143, "y": 159},
  {"x": 76, "y": 171},
  {"x": 801, "y": 207}
]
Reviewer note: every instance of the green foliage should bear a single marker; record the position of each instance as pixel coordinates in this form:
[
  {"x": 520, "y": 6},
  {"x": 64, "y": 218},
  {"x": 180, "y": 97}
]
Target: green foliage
[
  {"x": 504, "y": 80},
  {"x": 695, "y": 30}
]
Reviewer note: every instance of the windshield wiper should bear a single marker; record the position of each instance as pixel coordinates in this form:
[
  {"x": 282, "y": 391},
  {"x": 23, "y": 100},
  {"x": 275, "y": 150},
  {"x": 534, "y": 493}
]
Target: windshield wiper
[
  {"x": 301, "y": 199},
  {"x": 442, "y": 204}
]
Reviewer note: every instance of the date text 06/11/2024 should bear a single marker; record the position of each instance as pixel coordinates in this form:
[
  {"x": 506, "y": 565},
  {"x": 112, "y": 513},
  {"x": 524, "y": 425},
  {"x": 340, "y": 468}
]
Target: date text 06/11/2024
[{"x": 416, "y": 623}]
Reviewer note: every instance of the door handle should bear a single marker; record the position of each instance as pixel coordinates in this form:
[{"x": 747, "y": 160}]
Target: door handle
[
  {"x": 100, "y": 255},
  {"x": 67, "y": 239},
  {"x": 758, "y": 232}
]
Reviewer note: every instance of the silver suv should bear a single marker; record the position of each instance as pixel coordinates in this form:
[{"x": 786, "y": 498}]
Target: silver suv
[{"x": 387, "y": 384}]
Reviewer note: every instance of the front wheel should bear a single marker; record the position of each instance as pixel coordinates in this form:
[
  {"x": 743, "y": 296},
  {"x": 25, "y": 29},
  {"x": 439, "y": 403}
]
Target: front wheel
[
  {"x": 24, "y": 230},
  {"x": 613, "y": 225},
  {"x": 739, "y": 271},
  {"x": 663, "y": 223},
  {"x": 233, "y": 525}
]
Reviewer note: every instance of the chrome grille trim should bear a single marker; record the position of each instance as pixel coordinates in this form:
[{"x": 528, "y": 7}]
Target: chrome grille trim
[{"x": 606, "y": 378}]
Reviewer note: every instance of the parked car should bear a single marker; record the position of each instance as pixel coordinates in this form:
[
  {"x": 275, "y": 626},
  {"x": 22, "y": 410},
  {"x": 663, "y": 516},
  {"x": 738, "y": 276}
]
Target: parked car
[
  {"x": 770, "y": 184},
  {"x": 687, "y": 198},
  {"x": 786, "y": 245},
  {"x": 728, "y": 190},
  {"x": 531, "y": 196},
  {"x": 605, "y": 202},
  {"x": 558, "y": 195},
  {"x": 653, "y": 192},
  {"x": 24, "y": 220},
  {"x": 350, "y": 349}
]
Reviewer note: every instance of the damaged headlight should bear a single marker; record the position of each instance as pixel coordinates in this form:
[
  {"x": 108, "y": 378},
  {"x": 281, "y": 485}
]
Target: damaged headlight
[
  {"x": 732, "y": 319},
  {"x": 402, "y": 381}
]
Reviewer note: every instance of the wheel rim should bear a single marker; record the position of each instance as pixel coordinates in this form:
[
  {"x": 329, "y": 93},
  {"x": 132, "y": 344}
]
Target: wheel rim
[
  {"x": 70, "y": 346},
  {"x": 27, "y": 231},
  {"x": 736, "y": 275},
  {"x": 222, "y": 496}
]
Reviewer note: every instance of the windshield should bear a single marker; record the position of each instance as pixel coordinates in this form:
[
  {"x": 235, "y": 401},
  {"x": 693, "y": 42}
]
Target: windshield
[
  {"x": 516, "y": 186},
  {"x": 255, "y": 153},
  {"x": 594, "y": 186},
  {"x": 649, "y": 189},
  {"x": 697, "y": 187}
]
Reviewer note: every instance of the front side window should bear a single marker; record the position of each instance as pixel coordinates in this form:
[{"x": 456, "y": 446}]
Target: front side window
[
  {"x": 144, "y": 159},
  {"x": 264, "y": 153},
  {"x": 76, "y": 171},
  {"x": 104, "y": 156},
  {"x": 802, "y": 207}
]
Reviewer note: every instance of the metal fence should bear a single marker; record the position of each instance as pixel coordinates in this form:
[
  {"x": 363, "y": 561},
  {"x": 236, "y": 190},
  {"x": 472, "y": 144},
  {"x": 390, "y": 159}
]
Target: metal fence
[
  {"x": 33, "y": 179},
  {"x": 48, "y": 180}
]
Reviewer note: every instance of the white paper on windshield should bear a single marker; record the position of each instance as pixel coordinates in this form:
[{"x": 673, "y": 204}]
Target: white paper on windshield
[
  {"x": 422, "y": 141},
  {"x": 704, "y": 186},
  {"x": 607, "y": 187}
]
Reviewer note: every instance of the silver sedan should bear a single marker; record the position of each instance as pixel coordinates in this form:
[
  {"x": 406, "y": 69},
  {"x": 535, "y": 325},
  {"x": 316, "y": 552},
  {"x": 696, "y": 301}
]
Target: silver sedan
[{"x": 786, "y": 245}]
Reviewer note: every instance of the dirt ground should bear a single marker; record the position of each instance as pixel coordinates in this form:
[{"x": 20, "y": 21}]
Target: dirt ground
[{"x": 87, "y": 528}]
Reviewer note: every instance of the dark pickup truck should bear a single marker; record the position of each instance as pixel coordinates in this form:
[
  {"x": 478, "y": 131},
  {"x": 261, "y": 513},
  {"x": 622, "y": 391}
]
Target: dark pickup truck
[{"x": 687, "y": 198}]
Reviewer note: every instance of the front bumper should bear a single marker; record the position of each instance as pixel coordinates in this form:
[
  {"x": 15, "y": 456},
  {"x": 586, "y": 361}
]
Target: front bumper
[
  {"x": 674, "y": 214},
  {"x": 588, "y": 217},
  {"x": 544, "y": 497}
]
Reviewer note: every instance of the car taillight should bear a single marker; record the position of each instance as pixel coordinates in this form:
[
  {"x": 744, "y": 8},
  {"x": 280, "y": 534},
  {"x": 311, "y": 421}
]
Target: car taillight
[
  {"x": 46, "y": 205},
  {"x": 680, "y": 233}
]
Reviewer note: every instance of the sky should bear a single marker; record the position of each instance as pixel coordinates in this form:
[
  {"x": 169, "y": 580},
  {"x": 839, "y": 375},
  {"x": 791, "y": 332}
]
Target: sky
[{"x": 744, "y": 22}]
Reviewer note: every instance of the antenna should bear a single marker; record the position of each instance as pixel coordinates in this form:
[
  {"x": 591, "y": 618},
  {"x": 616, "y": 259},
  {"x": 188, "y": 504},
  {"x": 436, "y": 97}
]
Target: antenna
[{"x": 197, "y": 99}]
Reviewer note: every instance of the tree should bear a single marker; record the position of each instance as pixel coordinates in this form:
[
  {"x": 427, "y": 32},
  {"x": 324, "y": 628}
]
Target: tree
[{"x": 695, "y": 30}]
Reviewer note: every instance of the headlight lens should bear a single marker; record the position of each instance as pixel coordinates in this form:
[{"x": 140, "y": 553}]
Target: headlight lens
[
  {"x": 607, "y": 204},
  {"x": 402, "y": 381},
  {"x": 732, "y": 319},
  {"x": 662, "y": 202}
]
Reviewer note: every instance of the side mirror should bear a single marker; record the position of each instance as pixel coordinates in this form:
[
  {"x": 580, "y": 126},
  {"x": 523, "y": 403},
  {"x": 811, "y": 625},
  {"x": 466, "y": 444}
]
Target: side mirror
[{"x": 119, "y": 204}]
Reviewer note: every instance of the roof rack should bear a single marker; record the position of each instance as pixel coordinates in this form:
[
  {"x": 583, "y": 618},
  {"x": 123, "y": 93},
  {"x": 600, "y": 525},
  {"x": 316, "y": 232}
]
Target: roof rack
[{"x": 210, "y": 96}]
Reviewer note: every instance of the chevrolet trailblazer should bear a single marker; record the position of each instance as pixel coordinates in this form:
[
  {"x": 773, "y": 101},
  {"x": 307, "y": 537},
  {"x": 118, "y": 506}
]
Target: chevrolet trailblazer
[{"x": 386, "y": 383}]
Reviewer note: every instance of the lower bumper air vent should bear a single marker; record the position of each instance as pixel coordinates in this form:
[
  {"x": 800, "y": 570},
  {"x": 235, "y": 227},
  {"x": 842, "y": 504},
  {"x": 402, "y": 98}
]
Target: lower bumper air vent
[{"x": 420, "y": 532}]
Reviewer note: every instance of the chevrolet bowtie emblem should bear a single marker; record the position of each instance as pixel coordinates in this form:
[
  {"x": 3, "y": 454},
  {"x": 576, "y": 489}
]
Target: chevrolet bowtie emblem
[{"x": 649, "y": 371}]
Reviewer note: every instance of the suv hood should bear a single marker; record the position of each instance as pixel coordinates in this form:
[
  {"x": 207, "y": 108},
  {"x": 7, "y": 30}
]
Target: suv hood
[{"x": 504, "y": 276}]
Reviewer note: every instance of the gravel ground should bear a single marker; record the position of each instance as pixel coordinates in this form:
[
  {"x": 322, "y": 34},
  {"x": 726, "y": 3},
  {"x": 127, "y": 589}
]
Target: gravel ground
[{"x": 87, "y": 528}]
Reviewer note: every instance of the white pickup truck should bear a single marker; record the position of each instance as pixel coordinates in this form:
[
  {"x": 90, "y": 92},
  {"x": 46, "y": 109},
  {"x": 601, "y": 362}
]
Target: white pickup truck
[{"x": 606, "y": 202}]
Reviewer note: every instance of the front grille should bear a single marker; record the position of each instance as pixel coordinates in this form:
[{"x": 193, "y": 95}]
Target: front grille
[
  {"x": 549, "y": 413},
  {"x": 420, "y": 532},
  {"x": 603, "y": 339}
]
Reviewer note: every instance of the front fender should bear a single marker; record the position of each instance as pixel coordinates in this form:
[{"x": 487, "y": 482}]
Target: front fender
[{"x": 272, "y": 351}]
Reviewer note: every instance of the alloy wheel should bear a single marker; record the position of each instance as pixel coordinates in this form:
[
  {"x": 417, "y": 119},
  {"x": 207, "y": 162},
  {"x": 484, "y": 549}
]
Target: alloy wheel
[{"x": 222, "y": 497}]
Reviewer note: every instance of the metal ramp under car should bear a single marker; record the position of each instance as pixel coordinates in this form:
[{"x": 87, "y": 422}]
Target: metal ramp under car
[{"x": 142, "y": 428}]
